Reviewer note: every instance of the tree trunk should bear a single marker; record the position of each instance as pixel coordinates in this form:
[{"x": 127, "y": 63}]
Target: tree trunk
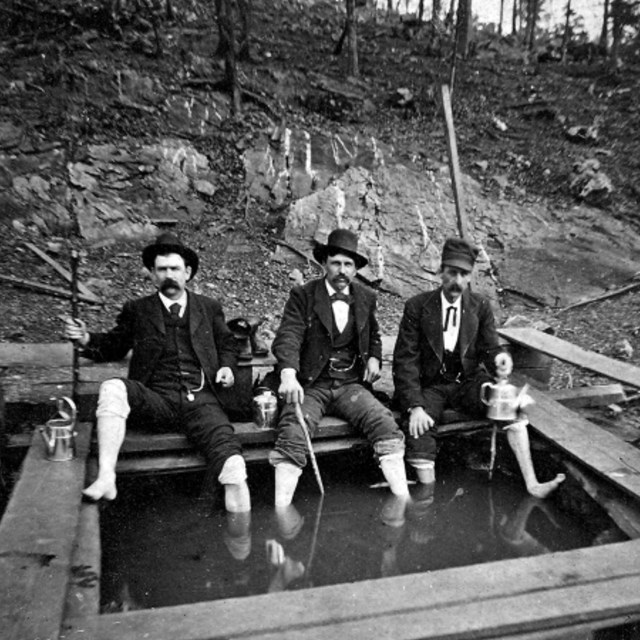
[
  {"x": 501, "y": 17},
  {"x": 244, "y": 14},
  {"x": 352, "y": 39},
  {"x": 514, "y": 17},
  {"x": 420, "y": 11},
  {"x": 436, "y": 8},
  {"x": 225, "y": 24},
  {"x": 616, "y": 32},
  {"x": 450, "y": 19},
  {"x": 532, "y": 20},
  {"x": 223, "y": 43},
  {"x": 566, "y": 37},
  {"x": 462, "y": 28},
  {"x": 604, "y": 41}
]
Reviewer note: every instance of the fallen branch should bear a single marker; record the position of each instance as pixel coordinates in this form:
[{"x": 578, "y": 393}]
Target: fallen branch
[
  {"x": 302, "y": 254},
  {"x": 62, "y": 271},
  {"x": 45, "y": 288},
  {"x": 604, "y": 296}
]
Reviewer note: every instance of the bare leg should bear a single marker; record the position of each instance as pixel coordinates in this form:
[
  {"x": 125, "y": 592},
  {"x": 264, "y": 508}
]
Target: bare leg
[
  {"x": 111, "y": 430},
  {"x": 112, "y": 412},
  {"x": 518, "y": 438},
  {"x": 236, "y": 491}
]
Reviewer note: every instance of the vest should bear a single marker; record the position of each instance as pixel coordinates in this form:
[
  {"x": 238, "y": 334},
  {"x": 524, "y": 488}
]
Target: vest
[
  {"x": 178, "y": 367},
  {"x": 344, "y": 362},
  {"x": 451, "y": 369}
]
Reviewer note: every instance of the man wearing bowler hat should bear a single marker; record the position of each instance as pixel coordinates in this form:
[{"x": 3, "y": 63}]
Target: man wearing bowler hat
[
  {"x": 181, "y": 350},
  {"x": 329, "y": 351},
  {"x": 447, "y": 348}
]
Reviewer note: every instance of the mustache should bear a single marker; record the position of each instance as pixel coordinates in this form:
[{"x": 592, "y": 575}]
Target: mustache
[{"x": 169, "y": 283}]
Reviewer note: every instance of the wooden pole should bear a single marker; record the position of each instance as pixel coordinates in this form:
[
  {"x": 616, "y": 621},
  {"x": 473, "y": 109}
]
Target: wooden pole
[
  {"x": 312, "y": 455},
  {"x": 74, "y": 316},
  {"x": 454, "y": 165}
]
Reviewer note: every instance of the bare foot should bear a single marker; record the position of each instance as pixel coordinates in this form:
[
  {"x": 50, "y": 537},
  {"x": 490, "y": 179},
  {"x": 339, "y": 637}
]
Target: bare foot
[
  {"x": 543, "y": 489},
  {"x": 102, "y": 488},
  {"x": 237, "y": 498}
]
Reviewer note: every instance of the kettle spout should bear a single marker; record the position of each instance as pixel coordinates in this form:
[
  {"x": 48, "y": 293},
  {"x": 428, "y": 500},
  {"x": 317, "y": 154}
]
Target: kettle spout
[
  {"x": 49, "y": 440},
  {"x": 524, "y": 400}
]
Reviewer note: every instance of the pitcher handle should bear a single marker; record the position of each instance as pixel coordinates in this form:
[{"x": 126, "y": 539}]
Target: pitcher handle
[{"x": 483, "y": 395}]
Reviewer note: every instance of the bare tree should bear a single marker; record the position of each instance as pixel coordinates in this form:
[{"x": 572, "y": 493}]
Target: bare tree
[
  {"x": 533, "y": 11},
  {"x": 566, "y": 36},
  {"x": 244, "y": 19},
  {"x": 604, "y": 40},
  {"x": 463, "y": 28},
  {"x": 352, "y": 39},
  {"x": 225, "y": 26},
  {"x": 514, "y": 17},
  {"x": 501, "y": 17}
]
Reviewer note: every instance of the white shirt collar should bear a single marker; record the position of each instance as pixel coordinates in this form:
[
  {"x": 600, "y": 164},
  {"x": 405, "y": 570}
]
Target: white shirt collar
[
  {"x": 445, "y": 303},
  {"x": 331, "y": 290},
  {"x": 167, "y": 302}
]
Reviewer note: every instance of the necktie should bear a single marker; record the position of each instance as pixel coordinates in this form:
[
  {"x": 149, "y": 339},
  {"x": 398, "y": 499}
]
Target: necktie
[
  {"x": 341, "y": 297},
  {"x": 451, "y": 313},
  {"x": 175, "y": 310}
]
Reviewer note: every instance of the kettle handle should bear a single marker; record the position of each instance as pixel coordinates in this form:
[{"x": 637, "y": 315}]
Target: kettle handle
[
  {"x": 70, "y": 411},
  {"x": 483, "y": 395}
]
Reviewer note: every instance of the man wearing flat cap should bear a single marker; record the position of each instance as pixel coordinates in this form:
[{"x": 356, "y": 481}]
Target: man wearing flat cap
[
  {"x": 329, "y": 351},
  {"x": 447, "y": 348},
  {"x": 181, "y": 350}
]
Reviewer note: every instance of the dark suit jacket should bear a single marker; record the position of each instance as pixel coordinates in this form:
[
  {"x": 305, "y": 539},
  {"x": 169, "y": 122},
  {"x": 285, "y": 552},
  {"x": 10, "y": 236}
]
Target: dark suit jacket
[
  {"x": 140, "y": 326},
  {"x": 419, "y": 350},
  {"x": 304, "y": 338}
]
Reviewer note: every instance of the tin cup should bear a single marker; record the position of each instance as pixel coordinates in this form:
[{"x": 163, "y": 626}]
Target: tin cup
[{"x": 265, "y": 409}]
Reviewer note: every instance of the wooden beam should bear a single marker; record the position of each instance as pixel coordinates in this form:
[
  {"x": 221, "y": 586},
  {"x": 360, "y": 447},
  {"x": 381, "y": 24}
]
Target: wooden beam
[
  {"x": 37, "y": 534},
  {"x": 606, "y": 454},
  {"x": 46, "y": 288},
  {"x": 592, "y": 586},
  {"x": 567, "y": 352},
  {"x": 599, "y": 395}
]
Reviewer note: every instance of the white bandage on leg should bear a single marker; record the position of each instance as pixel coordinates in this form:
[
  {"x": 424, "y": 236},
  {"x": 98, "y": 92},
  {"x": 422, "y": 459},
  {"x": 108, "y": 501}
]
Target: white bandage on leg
[
  {"x": 425, "y": 470},
  {"x": 112, "y": 399},
  {"x": 234, "y": 470},
  {"x": 393, "y": 469}
]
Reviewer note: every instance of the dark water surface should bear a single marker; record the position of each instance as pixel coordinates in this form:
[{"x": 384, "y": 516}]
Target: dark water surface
[{"x": 164, "y": 545}]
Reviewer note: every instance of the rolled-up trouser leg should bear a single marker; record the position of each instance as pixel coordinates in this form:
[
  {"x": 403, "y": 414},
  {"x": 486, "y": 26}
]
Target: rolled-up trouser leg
[
  {"x": 236, "y": 491},
  {"x": 425, "y": 470},
  {"x": 287, "y": 475},
  {"x": 112, "y": 412}
]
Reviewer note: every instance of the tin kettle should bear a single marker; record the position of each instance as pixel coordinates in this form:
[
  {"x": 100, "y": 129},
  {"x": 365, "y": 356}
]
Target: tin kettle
[
  {"x": 58, "y": 433},
  {"x": 265, "y": 408},
  {"x": 504, "y": 399}
]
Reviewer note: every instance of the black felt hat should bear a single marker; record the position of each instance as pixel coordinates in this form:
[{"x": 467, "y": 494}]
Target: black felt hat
[
  {"x": 340, "y": 241},
  {"x": 459, "y": 253},
  {"x": 169, "y": 243}
]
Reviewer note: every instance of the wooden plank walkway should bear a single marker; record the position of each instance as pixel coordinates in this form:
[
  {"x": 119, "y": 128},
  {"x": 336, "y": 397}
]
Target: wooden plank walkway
[
  {"x": 567, "y": 352},
  {"x": 37, "y": 535}
]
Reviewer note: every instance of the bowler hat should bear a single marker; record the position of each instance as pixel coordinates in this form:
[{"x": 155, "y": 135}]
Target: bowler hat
[
  {"x": 340, "y": 241},
  {"x": 167, "y": 243},
  {"x": 459, "y": 253}
]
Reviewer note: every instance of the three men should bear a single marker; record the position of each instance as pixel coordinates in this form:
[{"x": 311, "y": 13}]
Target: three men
[
  {"x": 447, "y": 346},
  {"x": 328, "y": 349},
  {"x": 182, "y": 348}
]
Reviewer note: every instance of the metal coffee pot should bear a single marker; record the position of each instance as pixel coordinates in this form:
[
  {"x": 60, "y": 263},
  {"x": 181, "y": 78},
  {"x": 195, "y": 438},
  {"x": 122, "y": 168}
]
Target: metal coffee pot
[
  {"x": 58, "y": 433},
  {"x": 265, "y": 408},
  {"x": 503, "y": 399}
]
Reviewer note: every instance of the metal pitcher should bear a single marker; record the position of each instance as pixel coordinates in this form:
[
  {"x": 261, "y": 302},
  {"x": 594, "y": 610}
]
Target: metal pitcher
[
  {"x": 503, "y": 399},
  {"x": 59, "y": 433},
  {"x": 265, "y": 408}
]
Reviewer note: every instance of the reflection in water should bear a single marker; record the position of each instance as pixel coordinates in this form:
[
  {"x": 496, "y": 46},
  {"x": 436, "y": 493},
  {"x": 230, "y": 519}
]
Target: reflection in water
[{"x": 160, "y": 549}]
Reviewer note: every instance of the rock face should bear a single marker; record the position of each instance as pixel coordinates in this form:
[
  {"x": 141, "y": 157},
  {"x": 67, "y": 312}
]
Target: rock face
[{"x": 403, "y": 214}]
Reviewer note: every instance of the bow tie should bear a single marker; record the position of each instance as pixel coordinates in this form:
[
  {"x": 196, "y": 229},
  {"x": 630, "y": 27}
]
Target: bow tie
[{"x": 342, "y": 297}]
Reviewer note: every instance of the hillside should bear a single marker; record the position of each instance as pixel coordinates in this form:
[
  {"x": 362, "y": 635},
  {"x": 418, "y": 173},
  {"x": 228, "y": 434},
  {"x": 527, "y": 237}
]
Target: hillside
[{"x": 68, "y": 87}]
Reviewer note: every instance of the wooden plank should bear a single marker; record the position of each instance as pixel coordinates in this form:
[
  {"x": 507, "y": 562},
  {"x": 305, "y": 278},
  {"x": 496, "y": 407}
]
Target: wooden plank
[
  {"x": 599, "y": 395},
  {"x": 567, "y": 352},
  {"x": 596, "y": 585},
  {"x": 183, "y": 461},
  {"x": 606, "y": 454},
  {"x": 37, "y": 534}
]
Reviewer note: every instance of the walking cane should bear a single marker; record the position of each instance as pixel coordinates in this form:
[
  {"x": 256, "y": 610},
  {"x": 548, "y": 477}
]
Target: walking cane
[
  {"x": 312, "y": 455},
  {"x": 74, "y": 315}
]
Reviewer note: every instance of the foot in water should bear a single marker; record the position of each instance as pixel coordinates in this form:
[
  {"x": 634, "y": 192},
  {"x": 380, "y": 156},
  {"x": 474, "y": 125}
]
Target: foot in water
[
  {"x": 104, "y": 488},
  {"x": 543, "y": 489}
]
